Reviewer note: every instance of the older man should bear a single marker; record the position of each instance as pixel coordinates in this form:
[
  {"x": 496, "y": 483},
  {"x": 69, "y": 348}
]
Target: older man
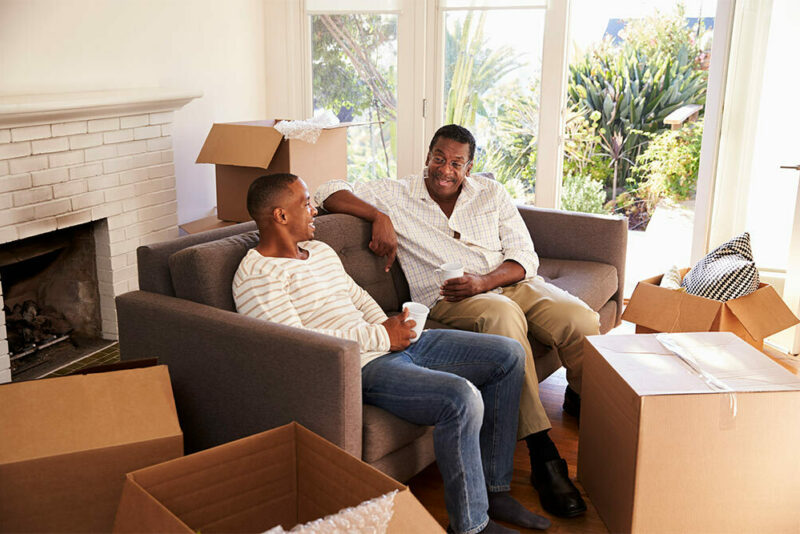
[
  {"x": 291, "y": 279},
  {"x": 447, "y": 215}
]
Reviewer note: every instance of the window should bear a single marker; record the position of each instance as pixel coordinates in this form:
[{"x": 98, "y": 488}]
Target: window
[
  {"x": 354, "y": 75},
  {"x": 492, "y": 72}
]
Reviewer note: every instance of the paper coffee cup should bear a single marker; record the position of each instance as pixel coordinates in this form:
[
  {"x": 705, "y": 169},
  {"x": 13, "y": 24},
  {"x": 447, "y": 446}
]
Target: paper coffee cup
[
  {"x": 419, "y": 313},
  {"x": 446, "y": 271}
]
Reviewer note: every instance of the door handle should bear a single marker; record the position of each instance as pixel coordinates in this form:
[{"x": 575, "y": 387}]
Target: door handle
[{"x": 793, "y": 167}]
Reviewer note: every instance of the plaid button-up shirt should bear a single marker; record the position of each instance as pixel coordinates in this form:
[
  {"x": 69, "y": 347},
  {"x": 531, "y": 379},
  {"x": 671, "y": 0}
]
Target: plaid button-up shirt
[{"x": 490, "y": 227}]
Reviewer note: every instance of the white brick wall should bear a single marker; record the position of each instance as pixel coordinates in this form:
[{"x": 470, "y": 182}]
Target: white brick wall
[{"x": 116, "y": 171}]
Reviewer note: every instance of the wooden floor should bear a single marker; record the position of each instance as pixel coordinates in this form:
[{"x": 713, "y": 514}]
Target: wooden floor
[{"x": 427, "y": 485}]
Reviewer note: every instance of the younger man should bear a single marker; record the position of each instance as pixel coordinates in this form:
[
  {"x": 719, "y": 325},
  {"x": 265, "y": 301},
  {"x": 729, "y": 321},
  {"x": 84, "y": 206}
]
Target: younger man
[{"x": 290, "y": 279}]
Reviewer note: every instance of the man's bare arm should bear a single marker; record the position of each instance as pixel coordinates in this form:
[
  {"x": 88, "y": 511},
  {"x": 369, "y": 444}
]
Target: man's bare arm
[
  {"x": 384, "y": 238},
  {"x": 507, "y": 273}
]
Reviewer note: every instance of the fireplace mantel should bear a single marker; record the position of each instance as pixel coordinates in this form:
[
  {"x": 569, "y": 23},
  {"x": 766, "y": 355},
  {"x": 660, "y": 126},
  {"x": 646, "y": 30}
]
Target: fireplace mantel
[{"x": 31, "y": 110}]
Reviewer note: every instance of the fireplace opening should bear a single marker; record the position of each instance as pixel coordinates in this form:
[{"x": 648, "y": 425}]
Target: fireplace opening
[{"x": 51, "y": 300}]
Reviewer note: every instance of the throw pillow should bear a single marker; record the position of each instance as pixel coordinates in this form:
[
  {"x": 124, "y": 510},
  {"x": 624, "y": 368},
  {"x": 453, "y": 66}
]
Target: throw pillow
[{"x": 728, "y": 272}]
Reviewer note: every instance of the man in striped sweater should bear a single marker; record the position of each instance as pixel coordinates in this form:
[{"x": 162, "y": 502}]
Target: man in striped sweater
[{"x": 467, "y": 385}]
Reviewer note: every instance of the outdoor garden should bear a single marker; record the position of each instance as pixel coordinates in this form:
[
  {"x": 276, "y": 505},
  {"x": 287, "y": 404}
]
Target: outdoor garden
[{"x": 619, "y": 155}]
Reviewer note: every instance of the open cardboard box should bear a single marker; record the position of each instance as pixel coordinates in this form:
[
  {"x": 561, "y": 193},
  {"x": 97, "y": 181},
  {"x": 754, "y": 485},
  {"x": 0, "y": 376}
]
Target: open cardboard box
[
  {"x": 285, "y": 476},
  {"x": 68, "y": 442},
  {"x": 243, "y": 151},
  {"x": 660, "y": 450},
  {"x": 752, "y": 317}
]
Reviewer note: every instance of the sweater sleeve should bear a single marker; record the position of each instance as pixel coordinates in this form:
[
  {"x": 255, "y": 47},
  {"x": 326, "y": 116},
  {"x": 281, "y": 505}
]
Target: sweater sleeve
[{"x": 266, "y": 297}]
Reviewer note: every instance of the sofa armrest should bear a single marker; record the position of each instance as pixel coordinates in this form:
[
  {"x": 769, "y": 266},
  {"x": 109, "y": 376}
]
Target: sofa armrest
[
  {"x": 233, "y": 375},
  {"x": 569, "y": 235}
]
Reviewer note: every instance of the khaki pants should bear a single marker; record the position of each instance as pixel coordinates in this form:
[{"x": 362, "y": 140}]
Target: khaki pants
[{"x": 552, "y": 315}]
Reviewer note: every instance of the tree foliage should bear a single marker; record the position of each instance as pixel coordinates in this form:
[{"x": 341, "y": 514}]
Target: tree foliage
[
  {"x": 348, "y": 76},
  {"x": 472, "y": 68},
  {"x": 354, "y": 61}
]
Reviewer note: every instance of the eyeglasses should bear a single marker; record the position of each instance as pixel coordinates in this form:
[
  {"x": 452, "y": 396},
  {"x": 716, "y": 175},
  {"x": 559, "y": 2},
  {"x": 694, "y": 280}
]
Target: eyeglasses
[{"x": 456, "y": 165}]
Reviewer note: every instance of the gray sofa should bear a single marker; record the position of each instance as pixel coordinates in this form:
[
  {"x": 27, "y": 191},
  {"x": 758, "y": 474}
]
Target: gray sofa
[{"x": 234, "y": 376}]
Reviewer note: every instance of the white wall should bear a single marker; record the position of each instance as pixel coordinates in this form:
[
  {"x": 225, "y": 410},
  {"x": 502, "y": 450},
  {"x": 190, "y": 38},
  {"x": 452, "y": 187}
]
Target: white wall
[{"x": 216, "y": 47}]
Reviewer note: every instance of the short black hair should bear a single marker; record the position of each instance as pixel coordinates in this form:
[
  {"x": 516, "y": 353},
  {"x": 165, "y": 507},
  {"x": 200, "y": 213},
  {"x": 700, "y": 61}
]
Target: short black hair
[
  {"x": 457, "y": 133},
  {"x": 267, "y": 191}
]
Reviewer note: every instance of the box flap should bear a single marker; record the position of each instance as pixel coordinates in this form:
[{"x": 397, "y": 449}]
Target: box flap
[
  {"x": 53, "y": 416},
  {"x": 667, "y": 310},
  {"x": 410, "y": 516},
  {"x": 139, "y": 511},
  {"x": 762, "y": 312},
  {"x": 651, "y": 369},
  {"x": 244, "y": 144}
]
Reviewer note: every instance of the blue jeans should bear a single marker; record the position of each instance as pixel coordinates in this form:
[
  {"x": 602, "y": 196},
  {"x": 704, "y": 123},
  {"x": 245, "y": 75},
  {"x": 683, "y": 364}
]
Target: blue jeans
[{"x": 433, "y": 382}]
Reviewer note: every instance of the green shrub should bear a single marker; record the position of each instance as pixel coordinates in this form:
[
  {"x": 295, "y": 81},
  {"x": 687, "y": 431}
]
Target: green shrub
[
  {"x": 583, "y": 151},
  {"x": 669, "y": 166},
  {"x": 581, "y": 193}
]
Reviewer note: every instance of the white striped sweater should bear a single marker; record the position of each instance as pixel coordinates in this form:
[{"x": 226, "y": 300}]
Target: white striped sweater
[{"x": 316, "y": 294}]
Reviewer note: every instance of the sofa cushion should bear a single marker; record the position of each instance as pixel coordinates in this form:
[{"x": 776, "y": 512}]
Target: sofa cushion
[
  {"x": 592, "y": 282},
  {"x": 204, "y": 273},
  {"x": 350, "y": 237},
  {"x": 383, "y": 433},
  {"x": 153, "y": 260}
]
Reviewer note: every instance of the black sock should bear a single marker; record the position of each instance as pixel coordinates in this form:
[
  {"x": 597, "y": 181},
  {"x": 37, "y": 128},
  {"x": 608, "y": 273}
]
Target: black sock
[
  {"x": 490, "y": 528},
  {"x": 541, "y": 448},
  {"x": 506, "y": 508}
]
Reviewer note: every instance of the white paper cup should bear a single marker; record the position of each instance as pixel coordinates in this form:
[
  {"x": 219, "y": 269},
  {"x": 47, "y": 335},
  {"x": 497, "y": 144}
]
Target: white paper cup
[
  {"x": 419, "y": 313},
  {"x": 446, "y": 271}
]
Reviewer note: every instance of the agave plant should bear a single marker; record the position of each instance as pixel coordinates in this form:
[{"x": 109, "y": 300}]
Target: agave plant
[{"x": 633, "y": 93}]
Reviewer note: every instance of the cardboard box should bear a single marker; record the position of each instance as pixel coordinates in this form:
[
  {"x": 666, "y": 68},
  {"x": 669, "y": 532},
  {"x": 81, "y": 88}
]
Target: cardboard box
[
  {"x": 68, "y": 442},
  {"x": 752, "y": 317},
  {"x": 284, "y": 476},
  {"x": 661, "y": 450},
  {"x": 204, "y": 224},
  {"x": 243, "y": 151}
]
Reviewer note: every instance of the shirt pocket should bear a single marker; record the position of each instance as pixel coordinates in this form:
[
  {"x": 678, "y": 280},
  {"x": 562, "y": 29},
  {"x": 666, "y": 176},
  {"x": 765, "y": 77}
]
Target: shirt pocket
[{"x": 482, "y": 229}]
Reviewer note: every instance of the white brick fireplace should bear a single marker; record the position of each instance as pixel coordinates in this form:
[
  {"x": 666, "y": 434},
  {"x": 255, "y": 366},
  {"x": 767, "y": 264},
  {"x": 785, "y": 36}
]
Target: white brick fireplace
[{"x": 106, "y": 157}]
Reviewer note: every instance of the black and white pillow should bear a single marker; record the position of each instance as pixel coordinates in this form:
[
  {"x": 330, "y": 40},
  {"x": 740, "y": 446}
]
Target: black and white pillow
[{"x": 728, "y": 272}]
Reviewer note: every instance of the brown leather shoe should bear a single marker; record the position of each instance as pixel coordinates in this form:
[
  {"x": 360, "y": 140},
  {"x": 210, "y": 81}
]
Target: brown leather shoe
[{"x": 557, "y": 494}]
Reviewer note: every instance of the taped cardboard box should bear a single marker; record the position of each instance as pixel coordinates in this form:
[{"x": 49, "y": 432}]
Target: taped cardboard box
[
  {"x": 68, "y": 442},
  {"x": 662, "y": 450},
  {"x": 285, "y": 476},
  {"x": 243, "y": 151},
  {"x": 752, "y": 317}
]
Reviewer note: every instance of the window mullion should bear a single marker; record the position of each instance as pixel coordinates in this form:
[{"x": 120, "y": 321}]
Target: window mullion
[{"x": 550, "y": 147}]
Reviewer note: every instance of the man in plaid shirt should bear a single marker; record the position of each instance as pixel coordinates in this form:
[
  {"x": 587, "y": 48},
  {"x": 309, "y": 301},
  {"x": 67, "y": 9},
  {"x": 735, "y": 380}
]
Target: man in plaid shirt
[{"x": 446, "y": 215}]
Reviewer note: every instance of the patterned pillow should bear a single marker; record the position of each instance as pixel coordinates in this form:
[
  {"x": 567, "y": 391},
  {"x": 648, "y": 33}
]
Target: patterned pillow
[{"x": 728, "y": 272}]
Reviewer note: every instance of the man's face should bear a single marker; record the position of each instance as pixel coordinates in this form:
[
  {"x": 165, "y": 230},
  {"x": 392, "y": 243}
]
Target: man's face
[
  {"x": 300, "y": 212},
  {"x": 448, "y": 165}
]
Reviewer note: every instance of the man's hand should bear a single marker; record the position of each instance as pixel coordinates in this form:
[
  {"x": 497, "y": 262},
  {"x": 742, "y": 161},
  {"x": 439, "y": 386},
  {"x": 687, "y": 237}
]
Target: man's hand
[
  {"x": 457, "y": 289},
  {"x": 400, "y": 330},
  {"x": 384, "y": 239}
]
